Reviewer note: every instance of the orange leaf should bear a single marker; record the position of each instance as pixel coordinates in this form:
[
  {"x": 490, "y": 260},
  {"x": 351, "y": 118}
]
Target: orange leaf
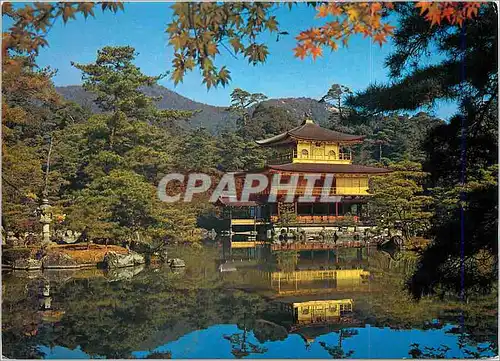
[
  {"x": 212, "y": 49},
  {"x": 388, "y": 29},
  {"x": 423, "y": 5},
  {"x": 375, "y": 7},
  {"x": 434, "y": 14},
  {"x": 471, "y": 9},
  {"x": 333, "y": 45},
  {"x": 367, "y": 32},
  {"x": 322, "y": 11},
  {"x": 302, "y": 36},
  {"x": 300, "y": 52},
  {"x": 352, "y": 13},
  {"x": 379, "y": 38},
  {"x": 375, "y": 21},
  {"x": 359, "y": 28},
  {"x": 314, "y": 33},
  {"x": 447, "y": 13},
  {"x": 334, "y": 9},
  {"x": 316, "y": 51}
]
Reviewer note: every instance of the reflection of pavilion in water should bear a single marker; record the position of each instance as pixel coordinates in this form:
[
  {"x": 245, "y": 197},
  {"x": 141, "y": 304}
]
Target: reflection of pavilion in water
[
  {"x": 302, "y": 295},
  {"x": 303, "y": 273},
  {"x": 316, "y": 311},
  {"x": 312, "y": 318},
  {"x": 263, "y": 252},
  {"x": 317, "y": 281}
]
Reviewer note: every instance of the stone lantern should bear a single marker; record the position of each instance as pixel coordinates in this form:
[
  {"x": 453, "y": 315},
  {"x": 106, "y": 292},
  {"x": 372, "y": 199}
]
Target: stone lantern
[
  {"x": 45, "y": 298},
  {"x": 46, "y": 216}
]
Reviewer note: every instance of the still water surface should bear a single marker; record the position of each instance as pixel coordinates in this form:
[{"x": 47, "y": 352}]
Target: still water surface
[{"x": 201, "y": 312}]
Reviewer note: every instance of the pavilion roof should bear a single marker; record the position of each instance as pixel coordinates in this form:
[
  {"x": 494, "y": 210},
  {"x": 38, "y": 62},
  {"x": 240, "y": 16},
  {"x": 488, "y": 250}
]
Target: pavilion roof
[
  {"x": 226, "y": 201},
  {"x": 327, "y": 168},
  {"x": 308, "y": 130}
]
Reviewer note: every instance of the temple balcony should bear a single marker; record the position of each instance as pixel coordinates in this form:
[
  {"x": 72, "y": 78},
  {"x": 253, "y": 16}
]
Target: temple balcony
[
  {"x": 293, "y": 157},
  {"x": 341, "y": 158},
  {"x": 281, "y": 159},
  {"x": 316, "y": 191}
]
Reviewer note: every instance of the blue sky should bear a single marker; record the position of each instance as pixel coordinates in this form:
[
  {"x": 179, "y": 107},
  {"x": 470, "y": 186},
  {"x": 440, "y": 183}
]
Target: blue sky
[{"x": 142, "y": 25}]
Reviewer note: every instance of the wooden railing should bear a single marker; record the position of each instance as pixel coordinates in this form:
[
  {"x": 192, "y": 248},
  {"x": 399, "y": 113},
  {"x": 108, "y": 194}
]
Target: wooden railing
[
  {"x": 342, "y": 156},
  {"x": 281, "y": 159},
  {"x": 289, "y": 157},
  {"x": 312, "y": 275},
  {"x": 316, "y": 191},
  {"x": 318, "y": 219},
  {"x": 316, "y": 246}
]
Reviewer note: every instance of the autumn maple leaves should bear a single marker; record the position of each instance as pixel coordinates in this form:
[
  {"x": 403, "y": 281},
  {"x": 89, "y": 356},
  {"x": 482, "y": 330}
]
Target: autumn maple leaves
[
  {"x": 453, "y": 12},
  {"x": 366, "y": 18},
  {"x": 349, "y": 19}
]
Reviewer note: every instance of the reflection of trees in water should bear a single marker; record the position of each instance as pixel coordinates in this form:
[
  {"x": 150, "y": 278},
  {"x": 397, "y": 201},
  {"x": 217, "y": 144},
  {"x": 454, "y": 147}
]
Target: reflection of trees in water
[
  {"x": 113, "y": 319},
  {"x": 470, "y": 338},
  {"x": 395, "y": 306},
  {"x": 159, "y": 355},
  {"x": 397, "y": 262},
  {"x": 287, "y": 260},
  {"x": 469, "y": 346},
  {"x": 21, "y": 318},
  {"x": 337, "y": 351},
  {"x": 240, "y": 345},
  {"x": 428, "y": 352}
]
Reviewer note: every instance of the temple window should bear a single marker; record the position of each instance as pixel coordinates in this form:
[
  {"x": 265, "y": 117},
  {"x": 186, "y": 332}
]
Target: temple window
[
  {"x": 305, "y": 153},
  {"x": 332, "y": 154}
]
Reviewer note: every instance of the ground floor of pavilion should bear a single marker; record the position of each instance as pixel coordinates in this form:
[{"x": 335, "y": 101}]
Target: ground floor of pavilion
[{"x": 349, "y": 208}]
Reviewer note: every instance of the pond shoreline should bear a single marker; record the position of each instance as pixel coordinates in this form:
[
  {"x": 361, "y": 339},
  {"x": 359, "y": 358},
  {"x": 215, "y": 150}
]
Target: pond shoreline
[{"x": 159, "y": 309}]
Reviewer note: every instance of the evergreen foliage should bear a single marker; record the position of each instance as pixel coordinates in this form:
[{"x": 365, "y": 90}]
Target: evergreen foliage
[
  {"x": 399, "y": 201},
  {"x": 461, "y": 155}
]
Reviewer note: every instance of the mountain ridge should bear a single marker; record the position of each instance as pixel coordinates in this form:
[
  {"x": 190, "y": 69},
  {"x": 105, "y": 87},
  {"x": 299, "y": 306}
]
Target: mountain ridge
[{"x": 213, "y": 118}]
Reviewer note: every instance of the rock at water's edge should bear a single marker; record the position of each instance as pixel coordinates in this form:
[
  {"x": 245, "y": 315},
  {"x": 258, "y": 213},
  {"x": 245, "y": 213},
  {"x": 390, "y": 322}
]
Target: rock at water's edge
[
  {"x": 123, "y": 274},
  {"x": 116, "y": 260},
  {"x": 59, "y": 260},
  {"x": 26, "y": 264},
  {"x": 176, "y": 262}
]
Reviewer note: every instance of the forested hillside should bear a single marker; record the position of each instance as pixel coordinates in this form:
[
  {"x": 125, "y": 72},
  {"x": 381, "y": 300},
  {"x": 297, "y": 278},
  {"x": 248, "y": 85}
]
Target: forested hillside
[{"x": 213, "y": 118}]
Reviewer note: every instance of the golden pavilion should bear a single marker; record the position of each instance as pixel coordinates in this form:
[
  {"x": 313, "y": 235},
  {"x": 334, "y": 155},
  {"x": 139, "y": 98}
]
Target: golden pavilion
[{"x": 309, "y": 151}]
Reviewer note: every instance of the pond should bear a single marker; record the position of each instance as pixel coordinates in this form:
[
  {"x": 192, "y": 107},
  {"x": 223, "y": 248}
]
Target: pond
[{"x": 251, "y": 303}]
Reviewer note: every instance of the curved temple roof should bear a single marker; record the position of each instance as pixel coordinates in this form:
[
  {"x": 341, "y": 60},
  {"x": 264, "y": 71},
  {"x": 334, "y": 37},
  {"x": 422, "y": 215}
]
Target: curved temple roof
[
  {"x": 327, "y": 168},
  {"x": 308, "y": 130}
]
